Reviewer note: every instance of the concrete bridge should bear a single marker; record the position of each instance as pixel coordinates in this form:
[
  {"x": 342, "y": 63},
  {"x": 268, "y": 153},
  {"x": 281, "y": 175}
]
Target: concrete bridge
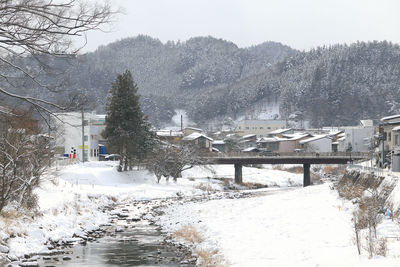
[{"x": 306, "y": 159}]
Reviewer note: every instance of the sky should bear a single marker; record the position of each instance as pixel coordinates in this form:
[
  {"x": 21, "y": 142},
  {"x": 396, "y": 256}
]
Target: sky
[{"x": 301, "y": 24}]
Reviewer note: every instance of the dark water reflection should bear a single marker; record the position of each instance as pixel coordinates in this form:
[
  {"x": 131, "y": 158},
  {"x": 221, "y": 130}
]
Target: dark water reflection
[{"x": 139, "y": 245}]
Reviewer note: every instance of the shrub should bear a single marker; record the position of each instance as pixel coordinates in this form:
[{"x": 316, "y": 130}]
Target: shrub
[
  {"x": 189, "y": 234},
  {"x": 210, "y": 258}
]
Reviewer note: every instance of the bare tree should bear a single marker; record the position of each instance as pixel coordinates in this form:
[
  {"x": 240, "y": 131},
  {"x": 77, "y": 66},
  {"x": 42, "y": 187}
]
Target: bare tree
[
  {"x": 171, "y": 160},
  {"x": 33, "y": 28},
  {"x": 23, "y": 157}
]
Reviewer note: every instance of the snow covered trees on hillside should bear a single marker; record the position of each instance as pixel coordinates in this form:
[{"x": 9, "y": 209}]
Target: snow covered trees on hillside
[
  {"x": 127, "y": 129},
  {"x": 36, "y": 30}
]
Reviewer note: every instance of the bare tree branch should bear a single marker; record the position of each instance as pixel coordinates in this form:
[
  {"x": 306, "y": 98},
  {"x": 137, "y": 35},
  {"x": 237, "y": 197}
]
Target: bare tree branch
[{"x": 29, "y": 28}]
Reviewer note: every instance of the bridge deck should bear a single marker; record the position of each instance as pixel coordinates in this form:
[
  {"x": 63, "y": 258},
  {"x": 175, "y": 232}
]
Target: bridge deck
[{"x": 288, "y": 158}]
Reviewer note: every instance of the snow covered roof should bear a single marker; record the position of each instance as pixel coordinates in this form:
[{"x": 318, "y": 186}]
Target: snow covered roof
[
  {"x": 296, "y": 136},
  {"x": 270, "y": 139},
  {"x": 279, "y": 131},
  {"x": 215, "y": 149},
  {"x": 367, "y": 123},
  {"x": 397, "y": 128},
  {"x": 333, "y": 133},
  {"x": 248, "y": 136},
  {"x": 169, "y": 133},
  {"x": 314, "y": 138},
  {"x": 342, "y": 138},
  {"x": 194, "y": 136},
  {"x": 249, "y": 149},
  {"x": 391, "y": 117},
  {"x": 218, "y": 142}
]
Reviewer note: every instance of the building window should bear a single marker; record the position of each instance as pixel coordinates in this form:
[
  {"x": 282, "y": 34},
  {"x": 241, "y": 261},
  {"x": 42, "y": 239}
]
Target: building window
[
  {"x": 85, "y": 138},
  {"x": 268, "y": 128},
  {"x": 239, "y": 128},
  {"x": 390, "y": 137},
  {"x": 247, "y": 128},
  {"x": 396, "y": 139},
  {"x": 261, "y": 128}
]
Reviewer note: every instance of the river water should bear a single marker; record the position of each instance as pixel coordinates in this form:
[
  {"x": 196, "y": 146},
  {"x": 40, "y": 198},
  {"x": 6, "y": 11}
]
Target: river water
[
  {"x": 138, "y": 243},
  {"x": 130, "y": 242}
]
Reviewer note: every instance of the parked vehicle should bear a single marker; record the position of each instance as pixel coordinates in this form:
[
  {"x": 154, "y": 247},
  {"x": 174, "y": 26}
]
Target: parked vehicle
[{"x": 112, "y": 157}]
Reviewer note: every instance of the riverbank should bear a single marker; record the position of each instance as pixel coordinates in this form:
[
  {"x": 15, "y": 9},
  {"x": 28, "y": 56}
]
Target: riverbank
[
  {"x": 75, "y": 202},
  {"x": 309, "y": 226}
]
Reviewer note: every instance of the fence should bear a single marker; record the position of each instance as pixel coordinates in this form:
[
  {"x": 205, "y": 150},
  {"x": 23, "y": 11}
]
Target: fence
[
  {"x": 377, "y": 171},
  {"x": 63, "y": 161}
]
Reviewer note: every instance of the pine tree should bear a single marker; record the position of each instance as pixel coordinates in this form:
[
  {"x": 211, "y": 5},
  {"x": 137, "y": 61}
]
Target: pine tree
[{"x": 127, "y": 129}]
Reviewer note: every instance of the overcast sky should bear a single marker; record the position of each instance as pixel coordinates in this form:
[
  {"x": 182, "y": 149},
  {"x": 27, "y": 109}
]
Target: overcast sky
[{"x": 301, "y": 24}]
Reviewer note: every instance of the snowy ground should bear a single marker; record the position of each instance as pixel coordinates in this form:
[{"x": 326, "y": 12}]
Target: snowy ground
[
  {"x": 71, "y": 199},
  {"x": 301, "y": 227},
  {"x": 296, "y": 227}
]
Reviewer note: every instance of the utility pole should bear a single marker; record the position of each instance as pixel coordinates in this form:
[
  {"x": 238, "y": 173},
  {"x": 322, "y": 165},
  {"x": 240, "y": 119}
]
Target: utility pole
[
  {"x": 49, "y": 144},
  {"x": 83, "y": 135}
]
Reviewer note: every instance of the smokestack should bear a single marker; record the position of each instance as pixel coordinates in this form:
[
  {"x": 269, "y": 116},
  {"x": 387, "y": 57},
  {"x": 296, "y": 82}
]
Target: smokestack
[{"x": 181, "y": 122}]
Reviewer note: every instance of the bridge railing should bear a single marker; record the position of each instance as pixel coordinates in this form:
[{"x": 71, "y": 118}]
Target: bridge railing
[{"x": 355, "y": 155}]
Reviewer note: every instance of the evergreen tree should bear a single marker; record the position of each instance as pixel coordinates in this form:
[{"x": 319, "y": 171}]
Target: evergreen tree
[{"x": 127, "y": 129}]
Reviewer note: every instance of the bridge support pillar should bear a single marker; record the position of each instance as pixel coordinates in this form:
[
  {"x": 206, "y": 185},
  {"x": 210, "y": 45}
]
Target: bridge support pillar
[
  {"x": 306, "y": 178},
  {"x": 238, "y": 174}
]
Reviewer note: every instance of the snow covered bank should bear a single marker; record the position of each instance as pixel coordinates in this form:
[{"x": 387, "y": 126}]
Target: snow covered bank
[
  {"x": 72, "y": 201},
  {"x": 300, "y": 227}
]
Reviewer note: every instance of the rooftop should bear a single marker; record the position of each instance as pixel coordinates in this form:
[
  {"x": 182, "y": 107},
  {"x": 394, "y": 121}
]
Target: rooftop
[
  {"x": 194, "y": 136},
  {"x": 279, "y": 131},
  {"x": 391, "y": 117},
  {"x": 314, "y": 138},
  {"x": 169, "y": 133}
]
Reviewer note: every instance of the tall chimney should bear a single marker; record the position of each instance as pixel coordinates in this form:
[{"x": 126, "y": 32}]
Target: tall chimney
[{"x": 181, "y": 122}]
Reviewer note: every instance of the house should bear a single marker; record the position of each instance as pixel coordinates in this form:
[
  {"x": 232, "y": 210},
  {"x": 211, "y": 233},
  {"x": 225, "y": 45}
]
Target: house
[
  {"x": 295, "y": 138},
  {"x": 396, "y": 139},
  {"x": 317, "y": 143},
  {"x": 247, "y": 141},
  {"x": 260, "y": 128},
  {"x": 356, "y": 138},
  {"x": 386, "y": 126},
  {"x": 339, "y": 142},
  {"x": 170, "y": 136},
  {"x": 269, "y": 144},
  {"x": 219, "y": 145},
  {"x": 251, "y": 149},
  {"x": 200, "y": 140},
  {"x": 189, "y": 130},
  {"x": 68, "y": 136},
  {"x": 280, "y": 132}
]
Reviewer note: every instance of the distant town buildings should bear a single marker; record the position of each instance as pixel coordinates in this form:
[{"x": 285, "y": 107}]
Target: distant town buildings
[
  {"x": 259, "y": 127},
  {"x": 68, "y": 135}
]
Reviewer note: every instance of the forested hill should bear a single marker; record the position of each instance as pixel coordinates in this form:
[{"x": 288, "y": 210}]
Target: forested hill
[
  {"x": 341, "y": 84},
  {"x": 335, "y": 85},
  {"x": 167, "y": 73},
  {"x": 212, "y": 78}
]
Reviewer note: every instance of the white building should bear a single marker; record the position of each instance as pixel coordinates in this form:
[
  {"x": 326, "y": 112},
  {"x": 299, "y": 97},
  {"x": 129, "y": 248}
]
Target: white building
[
  {"x": 357, "y": 138},
  {"x": 261, "y": 128},
  {"x": 317, "y": 143},
  {"x": 68, "y": 136}
]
